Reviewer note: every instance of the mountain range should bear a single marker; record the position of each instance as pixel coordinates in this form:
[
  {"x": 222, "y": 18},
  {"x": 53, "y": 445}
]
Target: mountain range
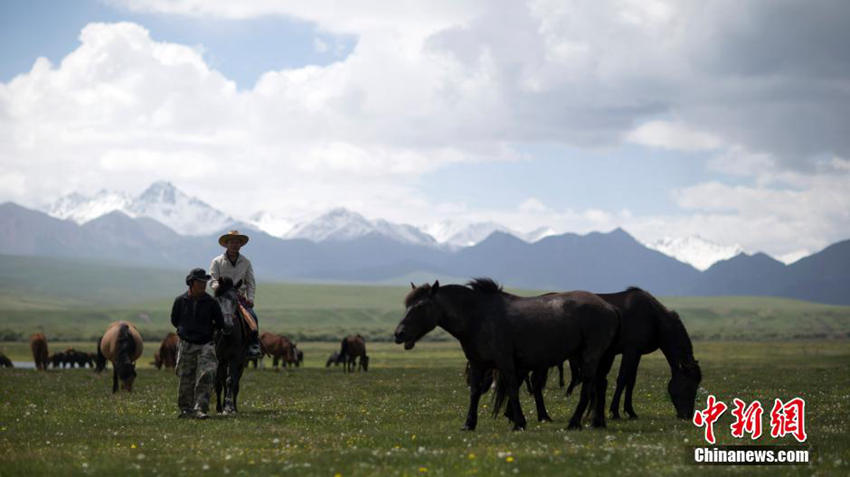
[
  {"x": 187, "y": 215},
  {"x": 596, "y": 261}
]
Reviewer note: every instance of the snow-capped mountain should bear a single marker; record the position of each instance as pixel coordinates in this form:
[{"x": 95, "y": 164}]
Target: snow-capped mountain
[
  {"x": 695, "y": 250},
  {"x": 186, "y": 215},
  {"x": 459, "y": 234},
  {"x": 81, "y": 208},
  {"x": 537, "y": 234},
  {"x": 271, "y": 223},
  {"x": 161, "y": 201},
  {"x": 341, "y": 224}
]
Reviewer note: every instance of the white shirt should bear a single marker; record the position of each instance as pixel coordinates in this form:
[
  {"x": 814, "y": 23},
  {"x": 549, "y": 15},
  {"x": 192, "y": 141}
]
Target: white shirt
[{"x": 221, "y": 267}]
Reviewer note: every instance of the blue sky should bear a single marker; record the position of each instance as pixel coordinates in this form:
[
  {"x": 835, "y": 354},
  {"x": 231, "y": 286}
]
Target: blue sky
[{"x": 664, "y": 118}]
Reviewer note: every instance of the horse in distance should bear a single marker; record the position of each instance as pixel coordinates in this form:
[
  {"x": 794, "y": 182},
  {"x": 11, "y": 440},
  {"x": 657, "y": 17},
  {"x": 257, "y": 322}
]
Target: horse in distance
[
  {"x": 516, "y": 335},
  {"x": 38, "y": 346},
  {"x": 353, "y": 348},
  {"x": 122, "y": 345}
]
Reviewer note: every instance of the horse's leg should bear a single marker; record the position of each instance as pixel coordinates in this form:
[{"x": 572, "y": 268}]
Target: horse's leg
[
  {"x": 631, "y": 378},
  {"x": 601, "y": 383},
  {"x": 477, "y": 382},
  {"x": 625, "y": 362},
  {"x": 114, "y": 378},
  {"x": 512, "y": 385},
  {"x": 538, "y": 379},
  {"x": 561, "y": 375},
  {"x": 236, "y": 374},
  {"x": 588, "y": 373},
  {"x": 575, "y": 375},
  {"x": 219, "y": 385}
]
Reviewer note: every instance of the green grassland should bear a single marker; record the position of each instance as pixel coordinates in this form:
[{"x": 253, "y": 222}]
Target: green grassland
[
  {"x": 325, "y": 312},
  {"x": 403, "y": 418}
]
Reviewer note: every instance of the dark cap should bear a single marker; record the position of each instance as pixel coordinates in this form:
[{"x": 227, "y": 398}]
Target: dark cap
[{"x": 197, "y": 274}]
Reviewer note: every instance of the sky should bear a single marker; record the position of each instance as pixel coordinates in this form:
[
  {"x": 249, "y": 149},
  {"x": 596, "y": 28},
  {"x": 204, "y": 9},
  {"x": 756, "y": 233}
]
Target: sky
[{"x": 724, "y": 119}]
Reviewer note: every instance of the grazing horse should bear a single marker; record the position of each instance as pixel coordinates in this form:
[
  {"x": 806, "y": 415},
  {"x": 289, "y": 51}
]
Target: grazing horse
[
  {"x": 5, "y": 362},
  {"x": 231, "y": 347},
  {"x": 515, "y": 335},
  {"x": 38, "y": 345},
  {"x": 280, "y": 348},
  {"x": 647, "y": 326},
  {"x": 333, "y": 359},
  {"x": 166, "y": 355},
  {"x": 122, "y": 344},
  {"x": 351, "y": 348}
]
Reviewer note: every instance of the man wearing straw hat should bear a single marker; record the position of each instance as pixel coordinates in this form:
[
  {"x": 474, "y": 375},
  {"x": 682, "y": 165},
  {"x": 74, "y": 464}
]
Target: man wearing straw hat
[{"x": 233, "y": 264}]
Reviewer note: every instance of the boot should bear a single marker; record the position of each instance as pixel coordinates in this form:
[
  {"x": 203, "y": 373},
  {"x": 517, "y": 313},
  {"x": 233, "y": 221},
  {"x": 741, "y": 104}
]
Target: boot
[{"x": 254, "y": 350}]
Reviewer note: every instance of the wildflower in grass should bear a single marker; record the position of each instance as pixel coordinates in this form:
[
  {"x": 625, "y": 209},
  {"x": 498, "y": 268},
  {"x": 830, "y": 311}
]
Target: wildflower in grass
[
  {"x": 470, "y": 456},
  {"x": 423, "y": 469},
  {"x": 509, "y": 459}
]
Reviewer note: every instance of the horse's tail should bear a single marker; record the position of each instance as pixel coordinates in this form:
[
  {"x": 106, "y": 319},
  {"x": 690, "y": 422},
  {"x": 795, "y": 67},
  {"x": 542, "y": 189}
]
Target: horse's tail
[
  {"x": 501, "y": 393},
  {"x": 100, "y": 363},
  {"x": 343, "y": 348}
]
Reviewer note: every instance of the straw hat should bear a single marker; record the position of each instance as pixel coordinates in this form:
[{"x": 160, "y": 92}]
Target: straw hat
[{"x": 230, "y": 235}]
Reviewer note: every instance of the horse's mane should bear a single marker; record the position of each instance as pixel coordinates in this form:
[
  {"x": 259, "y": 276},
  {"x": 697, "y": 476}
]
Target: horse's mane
[
  {"x": 417, "y": 294},
  {"x": 485, "y": 285},
  {"x": 225, "y": 284},
  {"x": 672, "y": 324}
]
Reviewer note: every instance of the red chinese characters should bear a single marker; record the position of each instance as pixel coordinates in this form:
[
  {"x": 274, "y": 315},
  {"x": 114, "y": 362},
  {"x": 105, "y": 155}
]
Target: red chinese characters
[
  {"x": 788, "y": 418},
  {"x": 747, "y": 420},
  {"x": 709, "y": 416}
]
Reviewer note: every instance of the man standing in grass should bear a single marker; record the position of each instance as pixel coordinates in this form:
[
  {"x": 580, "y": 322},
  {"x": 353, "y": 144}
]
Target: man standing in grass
[
  {"x": 196, "y": 315},
  {"x": 238, "y": 268}
]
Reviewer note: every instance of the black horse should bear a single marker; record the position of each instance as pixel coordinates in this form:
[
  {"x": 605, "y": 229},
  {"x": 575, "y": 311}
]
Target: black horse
[
  {"x": 646, "y": 326},
  {"x": 516, "y": 335},
  {"x": 231, "y": 348}
]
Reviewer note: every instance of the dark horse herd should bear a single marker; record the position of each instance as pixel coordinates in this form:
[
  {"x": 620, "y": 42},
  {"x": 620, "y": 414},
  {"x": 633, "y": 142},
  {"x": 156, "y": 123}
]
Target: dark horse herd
[
  {"x": 521, "y": 336},
  {"x": 507, "y": 339}
]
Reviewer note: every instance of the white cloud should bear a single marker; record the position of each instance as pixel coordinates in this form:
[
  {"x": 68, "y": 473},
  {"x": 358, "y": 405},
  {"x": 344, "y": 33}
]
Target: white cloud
[
  {"x": 671, "y": 135},
  {"x": 435, "y": 83}
]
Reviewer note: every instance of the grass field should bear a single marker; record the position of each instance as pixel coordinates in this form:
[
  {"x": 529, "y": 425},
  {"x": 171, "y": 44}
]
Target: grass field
[
  {"x": 403, "y": 418},
  {"x": 326, "y": 312}
]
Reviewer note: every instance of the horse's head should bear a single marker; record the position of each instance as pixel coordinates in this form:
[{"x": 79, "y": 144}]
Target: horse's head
[
  {"x": 423, "y": 313},
  {"x": 126, "y": 374},
  {"x": 683, "y": 387},
  {"x": 228, "y": 300}
]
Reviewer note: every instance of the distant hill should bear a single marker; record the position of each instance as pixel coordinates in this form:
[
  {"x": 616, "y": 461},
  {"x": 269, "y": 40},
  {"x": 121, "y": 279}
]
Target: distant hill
[{"x": 596, "y": 261}]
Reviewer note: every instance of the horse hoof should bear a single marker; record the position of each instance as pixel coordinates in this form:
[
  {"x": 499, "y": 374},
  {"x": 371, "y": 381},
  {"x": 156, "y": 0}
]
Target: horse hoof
[
  {"x": 545, "y": 419},
  {"x": 574, "y": 426},
  {"x": 633, "y": 416},
  {"x": 467, "y": 428},
  {"x": 615, "y": 416},
  {"x": 599, "y": 425},
  {"x": 518, "y": 428}
]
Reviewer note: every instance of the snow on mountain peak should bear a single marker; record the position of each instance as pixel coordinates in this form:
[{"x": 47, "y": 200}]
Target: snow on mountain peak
[
  {"x": 340, "y": 224},
  {"x": 161, "y": 201},
  {"x": 695, "y": 250}
]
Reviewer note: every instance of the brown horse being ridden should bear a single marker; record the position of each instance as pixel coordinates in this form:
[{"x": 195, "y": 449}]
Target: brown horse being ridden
[
  {"x": 122, "y": 345},
  {"x": 516, "y": 335},
  {"x": 38, "y": 346},
  {"x": 353, "y": 347}
]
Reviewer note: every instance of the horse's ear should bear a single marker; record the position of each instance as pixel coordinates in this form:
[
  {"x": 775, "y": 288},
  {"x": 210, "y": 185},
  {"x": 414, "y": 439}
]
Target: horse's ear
[
  {"x": 435, "y": 287},
  {"x": 412, "y": 286}
]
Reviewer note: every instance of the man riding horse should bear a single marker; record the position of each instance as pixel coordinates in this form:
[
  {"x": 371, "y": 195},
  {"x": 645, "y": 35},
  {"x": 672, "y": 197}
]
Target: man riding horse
[{"x": 238, "y": 268}]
